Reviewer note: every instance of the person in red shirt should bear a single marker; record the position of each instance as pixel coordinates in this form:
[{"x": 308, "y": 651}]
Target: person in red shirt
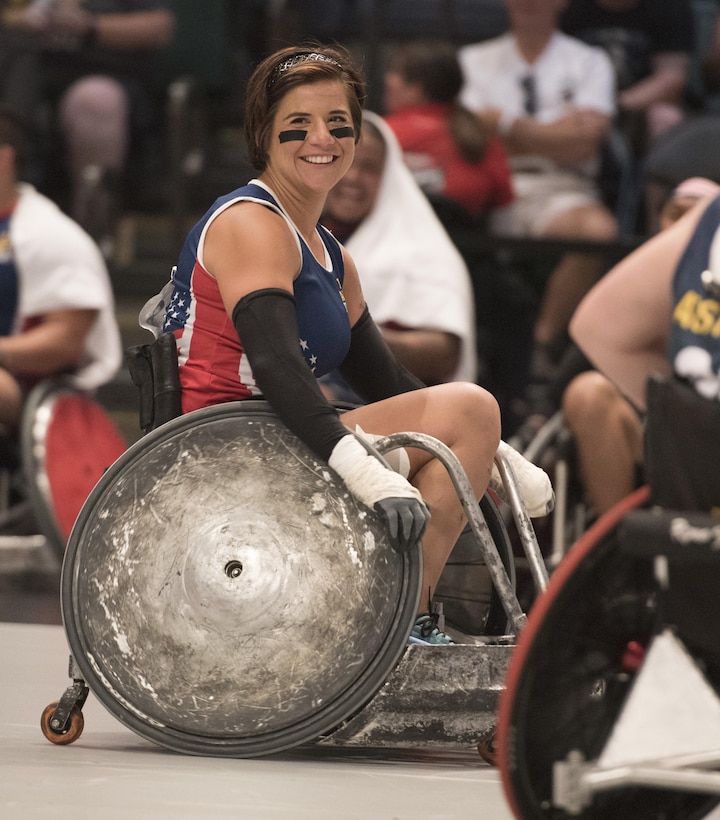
[{"x": 447, "y": 148}]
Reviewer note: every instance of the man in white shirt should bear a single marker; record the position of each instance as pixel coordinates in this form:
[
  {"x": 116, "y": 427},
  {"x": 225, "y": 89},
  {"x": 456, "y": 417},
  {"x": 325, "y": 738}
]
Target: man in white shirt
[
  {"x": 56, "y": 300},
  {"x": 552, "y": 99}
]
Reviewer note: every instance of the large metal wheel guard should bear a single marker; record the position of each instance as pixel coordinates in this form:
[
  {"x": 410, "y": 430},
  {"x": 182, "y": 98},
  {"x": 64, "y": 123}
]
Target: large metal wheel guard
[{"x": 223, "y": 594}]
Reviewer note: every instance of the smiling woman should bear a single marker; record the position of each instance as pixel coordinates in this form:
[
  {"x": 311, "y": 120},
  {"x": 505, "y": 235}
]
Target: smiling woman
[{"x": 264, "y": 300}]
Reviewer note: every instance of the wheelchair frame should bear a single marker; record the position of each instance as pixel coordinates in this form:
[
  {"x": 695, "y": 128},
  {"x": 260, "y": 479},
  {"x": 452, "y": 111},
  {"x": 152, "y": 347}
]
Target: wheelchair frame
[
  {"x": 400, "y": 710},
  {"x": 640, "y": 721}
]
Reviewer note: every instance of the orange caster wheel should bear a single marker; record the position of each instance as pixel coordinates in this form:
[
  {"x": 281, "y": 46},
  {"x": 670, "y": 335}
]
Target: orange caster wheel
[
  {"x": 487, "y": 748},
  {"x": 64, "y": 736}
]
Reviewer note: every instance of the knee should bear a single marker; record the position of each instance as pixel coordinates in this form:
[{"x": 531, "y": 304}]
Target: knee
[
  {"x": 593, "y": 223},
  {"x": 476, "y": 411},
  {"x": 588, "y": 399},
  {"x": 95, "y": 100},
  {"x": 599, "y": 225}
]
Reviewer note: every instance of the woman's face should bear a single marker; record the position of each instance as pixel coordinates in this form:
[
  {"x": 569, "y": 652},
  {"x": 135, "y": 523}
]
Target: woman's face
[
  {"x": 304, "y": 152},
  {"x": 353, "y": 198}
]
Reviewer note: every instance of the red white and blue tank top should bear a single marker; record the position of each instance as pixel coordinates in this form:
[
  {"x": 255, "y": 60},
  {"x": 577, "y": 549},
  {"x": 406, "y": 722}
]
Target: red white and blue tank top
[{"x": 213, "y": 365}]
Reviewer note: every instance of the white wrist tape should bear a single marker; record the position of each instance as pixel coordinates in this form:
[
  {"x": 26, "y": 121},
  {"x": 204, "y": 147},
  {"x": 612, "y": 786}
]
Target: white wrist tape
[
  {"x": 366, "y": 478},
  {"x": 533, "y": 483},
  {"x": 398, "y": 458}
]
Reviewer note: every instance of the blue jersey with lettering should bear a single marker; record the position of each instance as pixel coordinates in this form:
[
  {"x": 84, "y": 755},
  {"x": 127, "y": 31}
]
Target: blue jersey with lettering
[{"x": 694, "y": 342}]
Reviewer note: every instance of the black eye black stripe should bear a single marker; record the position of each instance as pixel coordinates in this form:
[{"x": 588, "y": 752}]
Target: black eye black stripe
[
  {"x": 339, "y": 133},
  {"x": 288, "y": 136},
  {"x": 343, "y": 131}
]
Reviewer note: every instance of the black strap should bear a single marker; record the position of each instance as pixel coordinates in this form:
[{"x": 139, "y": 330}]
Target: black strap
[
  {"x": 154, "y": 371},
  {"x": 370, "y": 367}
]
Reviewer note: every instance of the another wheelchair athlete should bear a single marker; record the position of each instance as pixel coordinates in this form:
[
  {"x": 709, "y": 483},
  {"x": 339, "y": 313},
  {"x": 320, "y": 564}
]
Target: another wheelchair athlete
[
  {"x": 264, "y": 300},
  {"x": 664, "y": 303},
  {"x": 56, "y": 301}
]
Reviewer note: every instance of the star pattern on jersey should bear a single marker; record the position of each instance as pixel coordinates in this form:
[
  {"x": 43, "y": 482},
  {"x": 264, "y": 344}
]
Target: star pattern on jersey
[
  {"x": 310, "y": 357},
  {"x": 177, "y": 311}
]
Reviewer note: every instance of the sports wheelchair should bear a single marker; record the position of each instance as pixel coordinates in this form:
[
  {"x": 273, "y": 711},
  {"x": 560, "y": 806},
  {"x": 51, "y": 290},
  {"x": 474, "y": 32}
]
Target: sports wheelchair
[
  {"x": 66, "y": 441},
  {"x": 612, "y": 699},
  {"x": 552, "y": 447},
  {"x": 223, "y": 594}
]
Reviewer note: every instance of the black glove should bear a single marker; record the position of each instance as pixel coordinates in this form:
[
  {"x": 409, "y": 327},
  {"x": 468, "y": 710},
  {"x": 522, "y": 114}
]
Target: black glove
[{"x": 406, "y": 520}]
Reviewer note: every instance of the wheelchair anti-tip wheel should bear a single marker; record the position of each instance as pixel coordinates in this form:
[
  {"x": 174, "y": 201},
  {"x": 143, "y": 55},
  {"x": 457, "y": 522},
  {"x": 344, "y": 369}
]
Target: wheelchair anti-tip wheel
[
  {"x": 570, "y": 675},
  {"x": 223, "y": 594}
]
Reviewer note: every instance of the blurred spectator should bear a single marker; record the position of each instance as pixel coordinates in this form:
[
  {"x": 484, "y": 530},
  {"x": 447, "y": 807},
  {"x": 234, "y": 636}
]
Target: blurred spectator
[
  {"x": 606, "y": 427},
  {"x": 97, "y": 77},
  {"x": 19, "y": 72},
  {"x": 685, "y": 197},
  {"x": 552, "y": 99},
  {"x": 450, "y": 152},
  {"x": 651, "y": 45},
  {"x": 416, "y": 284},
  {"x": 710, "y": 60},
  {"x": 56, "y": 302}
]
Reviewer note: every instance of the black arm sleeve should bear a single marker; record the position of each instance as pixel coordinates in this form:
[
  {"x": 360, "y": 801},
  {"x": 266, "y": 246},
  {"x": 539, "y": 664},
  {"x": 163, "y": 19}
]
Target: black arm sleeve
[
  {"x": 370, "y": 367},
  {"x": 267, "y": 326}
]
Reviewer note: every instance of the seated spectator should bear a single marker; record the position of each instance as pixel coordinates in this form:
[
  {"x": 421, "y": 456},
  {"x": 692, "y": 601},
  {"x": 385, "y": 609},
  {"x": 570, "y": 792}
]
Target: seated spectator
[
  {"x": 608, "y": 427},
  {"x": 56, "y": 302},
  {"x": 709, "y": 63},
  {"x": 97, "y": 75},
  {"x": 552, "y": 99},
  {"x": 685, "y": 197},
  {"x": 450, "y": 152},
  {"x": 414, "y": 280},
  {"x": 19, "y": 73},
  {"x": 651, "y": 45}
]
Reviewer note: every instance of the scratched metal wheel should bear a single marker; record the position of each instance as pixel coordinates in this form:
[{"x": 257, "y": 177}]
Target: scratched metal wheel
[{"x": 223, "y": 594}]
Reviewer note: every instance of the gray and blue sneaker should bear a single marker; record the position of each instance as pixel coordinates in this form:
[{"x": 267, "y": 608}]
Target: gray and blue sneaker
[{"x": 427, "y": 633}]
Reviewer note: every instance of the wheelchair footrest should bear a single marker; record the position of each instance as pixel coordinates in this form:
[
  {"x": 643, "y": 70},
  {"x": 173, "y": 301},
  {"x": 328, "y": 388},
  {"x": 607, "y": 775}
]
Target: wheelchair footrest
[{"x": 417, "y": 706}]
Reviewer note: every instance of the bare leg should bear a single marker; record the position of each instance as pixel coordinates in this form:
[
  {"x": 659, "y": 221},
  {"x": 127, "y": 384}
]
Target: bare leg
[
  {"x": 609, "y": 438},
  {"x": 571, "y": 279},
  {"x": 464, "y": 417},
  {"x": 576, "y": 273},
  {"x": 94, "y": 114}
]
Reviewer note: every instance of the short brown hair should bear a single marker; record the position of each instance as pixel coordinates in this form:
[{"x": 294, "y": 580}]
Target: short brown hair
[{"x": 289, "y": 68}]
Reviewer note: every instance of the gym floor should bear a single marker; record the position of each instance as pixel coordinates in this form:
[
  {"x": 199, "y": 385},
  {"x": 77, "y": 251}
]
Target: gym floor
[{"x": 113, "y": 773}]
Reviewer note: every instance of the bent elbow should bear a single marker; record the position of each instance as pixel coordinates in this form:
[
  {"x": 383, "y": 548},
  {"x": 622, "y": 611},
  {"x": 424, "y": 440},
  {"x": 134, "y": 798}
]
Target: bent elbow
[{"x": 583, "y": 330}]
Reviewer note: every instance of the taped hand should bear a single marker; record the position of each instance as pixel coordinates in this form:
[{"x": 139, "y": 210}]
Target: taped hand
[{"x": 388, "y": 493}]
